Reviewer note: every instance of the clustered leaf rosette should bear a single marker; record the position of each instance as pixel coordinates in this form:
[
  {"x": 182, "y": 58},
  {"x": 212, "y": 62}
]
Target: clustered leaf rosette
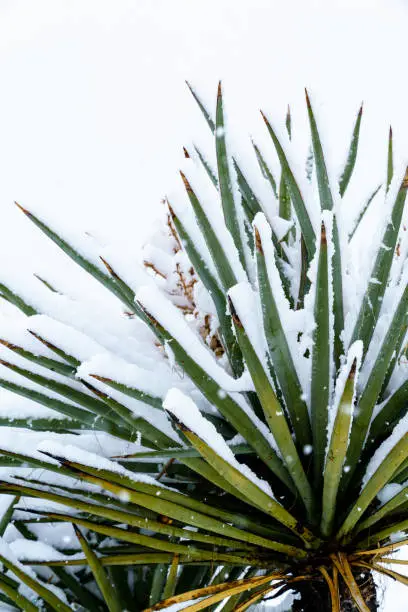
[{"x": 234, "y": 429}]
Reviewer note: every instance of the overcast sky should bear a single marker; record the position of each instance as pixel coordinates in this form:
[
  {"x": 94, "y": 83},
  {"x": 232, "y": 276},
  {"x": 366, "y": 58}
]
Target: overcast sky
[{"x": 94, "y": 110}]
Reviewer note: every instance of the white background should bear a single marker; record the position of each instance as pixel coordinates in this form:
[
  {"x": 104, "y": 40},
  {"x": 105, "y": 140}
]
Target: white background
[{"x": 94, "y": 110}]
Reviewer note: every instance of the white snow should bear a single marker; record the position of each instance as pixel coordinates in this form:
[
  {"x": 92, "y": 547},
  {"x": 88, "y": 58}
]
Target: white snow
[
  {"x": 292, "y": 321},
  {"x": 187, "y": 412},
  {"x": 211, "y": 204},
  {"x": 32, "y": 551},
  {"x": 64, "y": 337},
  {"x": 173, "y": 321},
  {"x": 399, "y": 432},
  {"x": 83, "y": 148},
  {"x": 355, "y": 352},
  {"x": 248, "y": 308},
  {"x": 7, "y": 553},
  {"x": 388, "y": 492},
  {"x": 79, "y": 455},
  {"x": 109, "y": 366}
]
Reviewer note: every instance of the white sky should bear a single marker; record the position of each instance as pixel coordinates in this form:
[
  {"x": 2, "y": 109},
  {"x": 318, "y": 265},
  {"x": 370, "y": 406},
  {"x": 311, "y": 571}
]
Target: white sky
[{"x": 94, "y": 110}]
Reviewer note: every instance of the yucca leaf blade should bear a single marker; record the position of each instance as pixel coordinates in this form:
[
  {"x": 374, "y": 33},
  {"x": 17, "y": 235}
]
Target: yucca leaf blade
[
  {"x": 373, "y": 385},
  {"x": 220, "y": 259},
  {"x": 141, "y": 396},
  {"x": 158, "y": 582},
  {"x": 105, "y": 279},
  {"x": 338, "y": 304},
  {"x": 177, "y": 453},
  {"x": 87, "y": 599},
  {"x": 363, "y": 211},
  {"x": 391, "y": 505},
  {"x": 99, "y": 573},
  {"x": 372, "y": 299},
  {"x": 203, "y": 558},
  {"x": 72, "y": 412},
  {"x": 171, "y": 581},
  {"x": 395, "y": 359},
  {"x": 326, "y": 198},
  {"x": 285, "y": 209},
  {"x": 252, "y": 203},
  {"x": 16, "y": 597},
  {"x": 253, "y": 207},
  {"x": 295, "y": 194},
  {"x": 266, "y": 171},
  {"x": 207, "y": 167},
  {"x": 229, "y": 205},
  {"x": 123, "y": 535},
  {"x": 390, "y": 160},
  {"x": 230, "y": 409},
  {"x": 394, "y": 409},
  {"x": 16, "y": 300},
  {"x": 279, "y": 350},
  {"x": 70, "y": 359},
  {"x": 43, "y": 424},
  {"x": 7, "y": 516},
  {"x": 372, "y": 539},
  {"x": 174, "y": 505},
  {"x": 46, "y": 362},
  {"x": 337, "y": 451},
  {"x": 35, "y": 585},
  {"x": 251, "y": 492},
  {"x": 378, "y": 480},
  {"x": 273, "y": 411},
  {"x": 108, "y": 409},
  {"x": 207, "y": 278},
  {"x": 202, "y": 108},
  {"x": 321, "y": 359},
  {"x": 219, "y": 591},
  {"x": 352, "y": 155},
  {"x": 327, "y": 203},
  {"x": 120, "y": 516}
]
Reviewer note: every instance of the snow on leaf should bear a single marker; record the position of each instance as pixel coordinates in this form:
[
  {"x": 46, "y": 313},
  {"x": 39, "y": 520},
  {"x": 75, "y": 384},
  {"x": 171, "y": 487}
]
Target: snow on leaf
[{"x": 187, "y": 412}]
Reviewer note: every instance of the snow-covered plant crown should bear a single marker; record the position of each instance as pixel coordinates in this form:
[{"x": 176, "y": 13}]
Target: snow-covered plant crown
[{"x": 241, "y": 429}]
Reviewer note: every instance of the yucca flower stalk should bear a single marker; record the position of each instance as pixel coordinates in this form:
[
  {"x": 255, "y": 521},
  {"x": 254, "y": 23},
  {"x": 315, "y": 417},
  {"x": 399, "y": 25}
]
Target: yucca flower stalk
[{"x": 238, "y": 432}]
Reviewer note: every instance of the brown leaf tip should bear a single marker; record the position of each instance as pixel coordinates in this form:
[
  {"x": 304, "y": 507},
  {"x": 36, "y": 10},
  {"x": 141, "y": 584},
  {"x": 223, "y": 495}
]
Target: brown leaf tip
[
  {"x": 258, "y": 241},
  {"x": 186, "y": 153},
  {"x": 186, "y": 183},
  {"x": 219, "y": 91},
  {"x": 307, "y": 98},
  {"x": 107, "y": 266},
  {"x": 59, "y": 458},
  {"x": 390, "y": 133},
  {"x": 94, "y": 390},
  {"x": 353, "y": 370},
  {"x": 323, "y": 237},
  {"x": 404, "y": 184},
  {"x": 234, "y": 314},
  {"x": 176, "y": 421},
  {"x": 171, "y": 211},
  {"x": 45, "y": 342},
  {"x": 78, "y": 532},
  {"x": 9, "y": 345},
  {"x": 151, "y": 318},
  {"x": 24, "y": 210},
  {"x": 100, "y": 378},
  {"x": 360, "y": 112}
]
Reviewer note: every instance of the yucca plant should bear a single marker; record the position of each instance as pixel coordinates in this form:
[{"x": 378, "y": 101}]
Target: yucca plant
[{"x": 238, "y": 433}]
